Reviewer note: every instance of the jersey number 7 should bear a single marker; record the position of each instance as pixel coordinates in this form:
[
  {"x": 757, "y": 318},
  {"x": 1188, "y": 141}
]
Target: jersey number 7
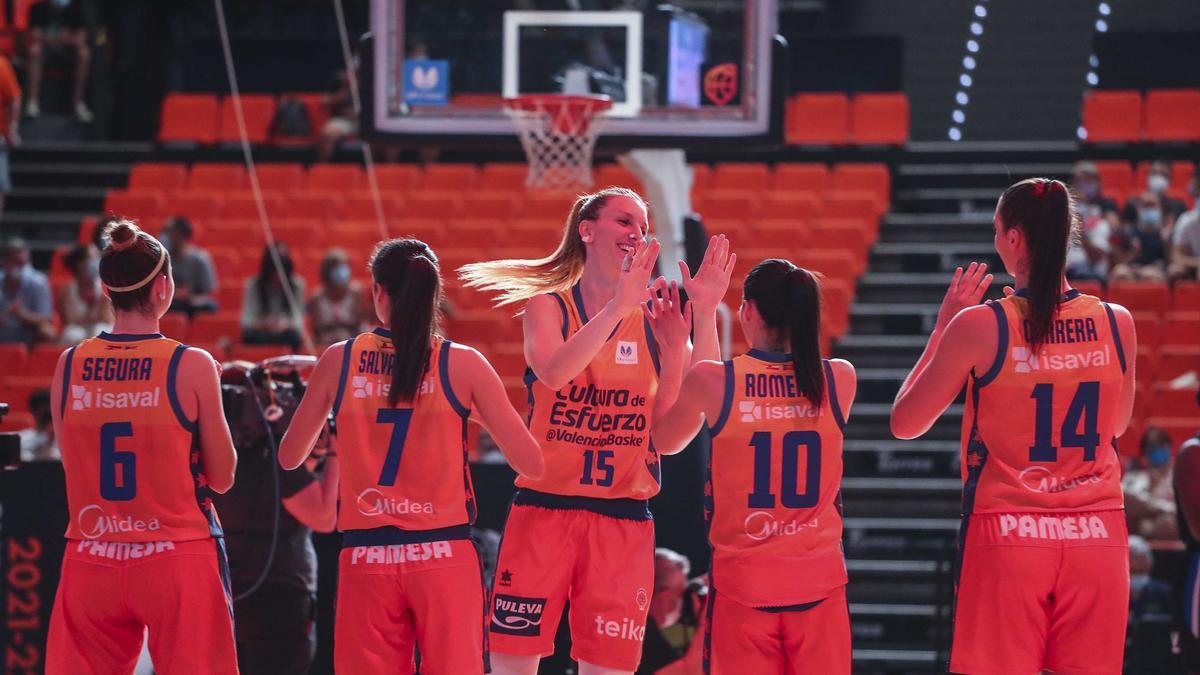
[{"x": 400, "y": 419}]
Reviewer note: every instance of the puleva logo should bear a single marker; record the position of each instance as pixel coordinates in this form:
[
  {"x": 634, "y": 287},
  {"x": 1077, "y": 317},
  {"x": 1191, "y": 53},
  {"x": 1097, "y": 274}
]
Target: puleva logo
[
  {"x": 514, "y": 615},
  {"x": 425, "y": 79},
  {"x": 627, "y": 352}
]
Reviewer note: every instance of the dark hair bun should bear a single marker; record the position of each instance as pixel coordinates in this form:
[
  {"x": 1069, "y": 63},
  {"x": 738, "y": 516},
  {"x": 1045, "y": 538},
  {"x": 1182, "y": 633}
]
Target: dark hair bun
[{"x": 122, "y": 234}]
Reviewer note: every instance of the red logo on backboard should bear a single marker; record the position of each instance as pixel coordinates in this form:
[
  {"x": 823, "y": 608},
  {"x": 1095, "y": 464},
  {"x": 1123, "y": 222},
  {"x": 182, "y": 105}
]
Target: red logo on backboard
[{"x": 721, "y": 83}]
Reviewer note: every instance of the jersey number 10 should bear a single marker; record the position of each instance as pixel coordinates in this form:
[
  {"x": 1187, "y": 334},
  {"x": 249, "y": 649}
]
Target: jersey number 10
[{"x": 762, "y": 497}]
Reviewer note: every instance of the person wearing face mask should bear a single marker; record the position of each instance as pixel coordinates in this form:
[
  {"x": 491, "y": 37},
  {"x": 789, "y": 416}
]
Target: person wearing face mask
[
  {"x": 82, "y": 307},
  {"x": 1149, "y": 494},
  {"x": 1158, "y": 181},
  {"x": 1139, "y": 249},
  {"x": 1185, "y": 241},
  {"x": 1148, "y": 646},
  {"x": 1087, "y": 255},
  {"x": 338, "y": 308},
  {"x": 25, "y": 304},
  {"x": 194, "y": 274},
  {"x": 37, "y": 443}
]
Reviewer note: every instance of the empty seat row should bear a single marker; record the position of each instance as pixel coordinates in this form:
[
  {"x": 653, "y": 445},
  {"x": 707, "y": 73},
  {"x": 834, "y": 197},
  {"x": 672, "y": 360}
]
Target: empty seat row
[
  {"x": 837, "y": 119},
  {"x": 207, "y": 119},
  {"x": 1126, "y": 116}
]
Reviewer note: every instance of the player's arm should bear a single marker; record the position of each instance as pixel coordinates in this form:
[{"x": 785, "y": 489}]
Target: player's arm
[
  {"x": 200, "y": 376},
  {"x": 56, "y": 394},
  {"x": 482, "y": 391},
  {"x": 315, "y": 505},
  {"x": 705, "y": 291},
  {"x": 556, "y": 361},
  {"x": 969, "y": 342},
  {"x": 1187, "y": 484},
  {"x": 700, "y": 399},
  {"x": 670, "y": 322},
  {"x": 846, "y": 381},
  {"x": 1128, "y": 334},
  {"x": 310, "y": 416}
]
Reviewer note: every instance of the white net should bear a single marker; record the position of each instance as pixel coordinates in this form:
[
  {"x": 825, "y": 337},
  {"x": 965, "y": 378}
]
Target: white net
[{"x": 559, "y": 134}]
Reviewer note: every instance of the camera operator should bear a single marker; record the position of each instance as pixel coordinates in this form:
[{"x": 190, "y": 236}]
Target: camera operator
[{"x": 269, "y": 516}]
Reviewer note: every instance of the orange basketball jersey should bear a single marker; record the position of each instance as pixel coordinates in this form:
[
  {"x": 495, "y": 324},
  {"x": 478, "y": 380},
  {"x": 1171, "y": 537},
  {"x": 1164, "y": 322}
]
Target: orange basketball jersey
[
  {"x": 774, "y": 492},
  {"x": 1039, "y": 428},
  {"x": 595, "y": 431},
  {"x": 403, "y": 467},
  {"x": 131, "y": 457}
]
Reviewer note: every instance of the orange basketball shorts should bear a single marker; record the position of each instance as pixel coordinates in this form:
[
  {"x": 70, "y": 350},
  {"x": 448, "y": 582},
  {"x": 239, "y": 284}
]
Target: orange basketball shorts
[
  {"x": 1042, "y": 591},
  {"x": 812, "y": 638},
  {"x": 603, "y": 565},
  {"x": 110, "y": 593},
  {"x": 394, "y": 598}
]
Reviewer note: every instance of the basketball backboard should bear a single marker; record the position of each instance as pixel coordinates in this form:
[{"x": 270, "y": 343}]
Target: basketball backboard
[{"x": 688, "y": 73}]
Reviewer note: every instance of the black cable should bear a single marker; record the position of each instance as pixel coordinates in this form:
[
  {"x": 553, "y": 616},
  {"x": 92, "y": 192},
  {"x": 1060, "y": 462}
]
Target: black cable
[{"x": 273, "y": 457}]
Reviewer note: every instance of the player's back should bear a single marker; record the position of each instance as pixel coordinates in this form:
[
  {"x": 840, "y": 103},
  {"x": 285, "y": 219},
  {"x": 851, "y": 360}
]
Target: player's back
[
  {"x": 1039, "y": 433},
  {"x": 404, "y": 466},
  {"x": 775, "y": 477},
  {"x": 131, "y": 456}
]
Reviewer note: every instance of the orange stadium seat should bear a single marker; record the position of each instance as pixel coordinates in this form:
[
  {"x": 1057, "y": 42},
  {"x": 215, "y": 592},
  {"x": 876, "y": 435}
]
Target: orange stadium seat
[
  {"x": 243, "y": 205},
  {"x": 397, "y": 178},
  {"x": 228, "y": 258},
  {"x": 223, "y": 325},
  {"x": 1186, "y": 297},
  {"x": 1176, "y": 360},
  {"x": 174, "y": 325},
  {"x": 280, "y": 176},
  {"x": 1116, "y": 179},
  {"x": 879, "y": 119},
  {"x": 434, "y": 204},
  {"x": 1182, "y": 171},
  {"x": 817, "y": 119},
  {"x": 189, "y": 118},
  {"x": 86, "y": 227},
  {"x": 14, "y": 358},
  {"x": 1140, "y": 296},
  {"x": 1146, "y": 324},
  {"x": 869, "y": 177},
  {"x": 230, "y": 296},
  {"x": 158, "y": 175},
  {"x": 425, "y": 229},
  {"x": 141, "y": 205},
  {"x": 302, "y": 234},
  {"x": 1170, "y": 402},
  {"x": 1180, "y": 328},
  {"x": 853, "y": 204},
  {"x": 750, "y": 176},
  {"x": 728, "y": 204},
  {"x": 850, "y": 234},
  {"x": 1147, "y": 364},
  {"x": 322, "y": 205},
  {"x": 459, "y": 177},
  {"x": 504, "y": 176},
  {"x": 806, "y": 176},
  {"x": 546, "y": 206},
  {"x": 256, "y": 353},
  {"x": 17, "y": 389},
  {"x": 16, "y": 421},
  {"x": 480, "y": 231},
  {"x": 318, "y": 111},
  {"x": 42, "y": 359},
  {"x": 1178, "y": 428},
  {"x": 257, "y": 111},
  {"x": 1112, "y": 116},
  {"x": 498, "y": 204},
  {"x": 360, "y": 205},
  {"x": 702, "y": 177},
  {"x": 198, "y": 205},
  {"x": 1088, "y": 287},
  {"x": 508, "y": 358},
  {"x": 735, "y": 229},
  {"x": 335, "y": 177},
  {"x": 833, "y": 263},
  {"x": 1172, "y": 115},
  {"x": 218, "y": 176},
  {"x": 788, "y": 234},
  {"x": 610, "y": 175}
]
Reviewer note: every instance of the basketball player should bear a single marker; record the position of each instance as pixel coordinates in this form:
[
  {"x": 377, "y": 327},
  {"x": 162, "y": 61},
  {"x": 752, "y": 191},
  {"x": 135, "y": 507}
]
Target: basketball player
[
  {"x": 776, "y": 413},
  {"x": 401, "y": 395},
  {"x": 1187, "y": 500},
  {"x": 597, "y": 379},
  {"x": 144, "y": 444},
  {"x": 1044, "y": 578}
]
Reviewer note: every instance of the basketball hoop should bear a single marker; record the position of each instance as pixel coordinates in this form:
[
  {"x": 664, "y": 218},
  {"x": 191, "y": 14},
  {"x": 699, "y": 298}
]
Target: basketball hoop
[{"x": 558, "y": 133}]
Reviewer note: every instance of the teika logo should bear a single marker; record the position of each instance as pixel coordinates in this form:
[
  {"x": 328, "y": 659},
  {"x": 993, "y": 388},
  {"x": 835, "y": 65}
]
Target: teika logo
[
  {"x": 625, "y": 629},
  {"x": 372, "y": 502},
  {"x": 94, "y": 523},
  {"x": 627, "y": 352}
]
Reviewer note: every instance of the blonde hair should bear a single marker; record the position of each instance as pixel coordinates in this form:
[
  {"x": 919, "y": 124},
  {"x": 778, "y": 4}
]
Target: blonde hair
[{"x": 519, "y": 280}]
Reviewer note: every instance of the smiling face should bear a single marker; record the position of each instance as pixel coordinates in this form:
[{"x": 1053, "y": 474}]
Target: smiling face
[{"x": 618, "y": 230}]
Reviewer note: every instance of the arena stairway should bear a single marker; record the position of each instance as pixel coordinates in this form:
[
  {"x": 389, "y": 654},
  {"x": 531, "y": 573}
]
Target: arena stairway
[{"x": 902, "y": 497}]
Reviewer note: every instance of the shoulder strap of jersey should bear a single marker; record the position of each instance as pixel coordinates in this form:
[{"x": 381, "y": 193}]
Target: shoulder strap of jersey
[
  {"x": 347, "y": 348},
  {"x": 652, "y": 345},
  {"x": 562, "y": 307},
  {"x": 831, "y": 393},
  {"x": 444, "y": 376},
  {"x": 66, "y": 382},
  {"x": 1001, "y": 345},
  {"x": 172, "y": 394},
  {"x": 1116, "y": 334},
  {"x": 726, "y": 401}
]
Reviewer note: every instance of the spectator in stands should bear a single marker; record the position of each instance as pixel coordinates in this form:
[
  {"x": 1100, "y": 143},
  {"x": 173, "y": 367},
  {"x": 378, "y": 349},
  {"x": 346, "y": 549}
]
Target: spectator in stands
[
  {"x": 1151, "y": 603},
  {"x": 37, "y": 443},
  {"x": 342, "y": 122},
  {"x": 1087, "y": 257},
  {"x": 1139, "y": 249},
  {"x": 673, "y": 621},
  {"x": 26, "y": 309},
  {"x": 339, "y": 308},
  {"x": 58, "y": 24},
  {"x": 1149, "y": 492},
  {"x": 10, "y": 117},
  {"x": 1185, "y": 241},
  {"x": 191, "y": 268},
  {"x": 83, "y": 309},
  {"x": 267, "y": 315},
  {"x": 1158, "y": 181}
]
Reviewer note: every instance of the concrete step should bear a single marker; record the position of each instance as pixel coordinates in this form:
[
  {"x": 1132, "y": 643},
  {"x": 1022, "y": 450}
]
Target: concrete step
[{"x": 907, "y": 287}]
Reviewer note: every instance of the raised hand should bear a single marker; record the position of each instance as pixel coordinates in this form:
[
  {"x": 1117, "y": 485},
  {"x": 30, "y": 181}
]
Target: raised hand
[
  {"x": 635, "y": 274},
  {"x": 708, "y": 287},
  {"x": 670, "y": 320},
  {"x": 966, "y": 290}
]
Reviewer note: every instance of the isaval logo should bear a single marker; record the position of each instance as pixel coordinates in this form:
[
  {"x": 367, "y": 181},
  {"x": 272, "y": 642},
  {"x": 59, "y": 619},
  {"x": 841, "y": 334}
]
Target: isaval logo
[
  {"x": 1026, "y": 361},
  {"x": 514, "y": 615},
  {"x": 84, "y": 398},
  {"x": 754, "y": 412}
]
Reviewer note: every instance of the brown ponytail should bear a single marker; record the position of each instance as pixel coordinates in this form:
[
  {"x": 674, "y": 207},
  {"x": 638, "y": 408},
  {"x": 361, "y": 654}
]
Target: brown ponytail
[
  {"x": 1045, "y": 212},
  {"x": 408, "y": 271},
  {"x": 518, "y": 280},
  {"x": 130, "y": 264},
  {"x": 788, "y": 298}
]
